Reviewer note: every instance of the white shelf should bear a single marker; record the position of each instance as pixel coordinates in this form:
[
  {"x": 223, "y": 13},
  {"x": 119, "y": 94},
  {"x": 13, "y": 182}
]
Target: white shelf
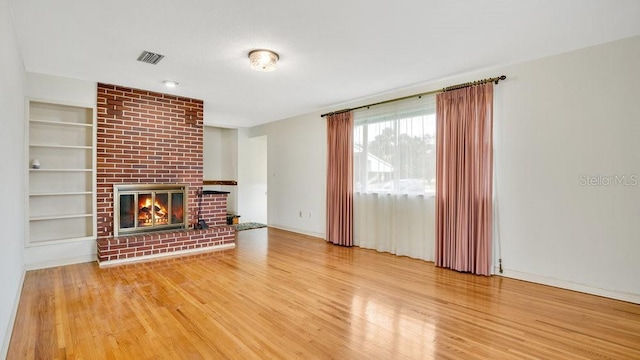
[
  {"x": 60, "y": 170},
  {"x": 59, "y": 123},
  {"x": 56, "y": 241},
  {"x": 61, "y": 193},
  {"x": 61, "y": 202},
  {"x": 61, "y": 146},
  {"x": 59, "y": 217}
]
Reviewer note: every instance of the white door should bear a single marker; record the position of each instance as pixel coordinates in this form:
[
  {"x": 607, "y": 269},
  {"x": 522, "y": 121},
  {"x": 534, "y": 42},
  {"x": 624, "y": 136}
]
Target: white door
[{"x": 256, "y": 187}]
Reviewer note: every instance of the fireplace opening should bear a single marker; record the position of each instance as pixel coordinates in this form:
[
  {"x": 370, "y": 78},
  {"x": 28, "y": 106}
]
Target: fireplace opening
[{"x": 149, "y": 207}]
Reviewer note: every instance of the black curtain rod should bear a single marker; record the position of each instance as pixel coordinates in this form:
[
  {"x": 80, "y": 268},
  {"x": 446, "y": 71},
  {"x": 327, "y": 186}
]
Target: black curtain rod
[{"x": 448, "y": 88}]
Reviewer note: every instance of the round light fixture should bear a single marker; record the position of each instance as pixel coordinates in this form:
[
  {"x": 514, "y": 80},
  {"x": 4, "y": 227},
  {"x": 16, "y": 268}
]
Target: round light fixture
[
  {"x": 263, "y": 60},
  {"x": 170, "y": 83}
]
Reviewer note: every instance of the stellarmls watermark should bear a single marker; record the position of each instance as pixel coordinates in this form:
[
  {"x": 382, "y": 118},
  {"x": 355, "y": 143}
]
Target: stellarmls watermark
[{"x": 610, "y": 180}]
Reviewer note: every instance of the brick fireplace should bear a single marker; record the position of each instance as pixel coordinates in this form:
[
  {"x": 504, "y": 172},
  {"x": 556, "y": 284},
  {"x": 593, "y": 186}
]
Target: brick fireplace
[{"x": 145, "y": 137}]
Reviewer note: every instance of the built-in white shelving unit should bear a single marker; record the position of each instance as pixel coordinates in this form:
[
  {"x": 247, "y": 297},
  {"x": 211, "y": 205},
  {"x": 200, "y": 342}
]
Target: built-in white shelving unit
[{"x": 62, "y": 191}]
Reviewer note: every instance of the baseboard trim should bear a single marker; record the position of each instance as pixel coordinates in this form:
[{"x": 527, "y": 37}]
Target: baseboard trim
[
  {"x": 298, "y": 231},
  {"x": 12, "y": 319},
  {"x": 166, "y": 255},
  {"x": 61, "y": 262},
  {"x": 568, "y": 285}
]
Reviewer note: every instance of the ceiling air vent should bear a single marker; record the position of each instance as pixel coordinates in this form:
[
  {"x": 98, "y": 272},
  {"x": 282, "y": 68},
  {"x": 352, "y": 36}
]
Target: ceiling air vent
[{"x": 150, "y": 58}]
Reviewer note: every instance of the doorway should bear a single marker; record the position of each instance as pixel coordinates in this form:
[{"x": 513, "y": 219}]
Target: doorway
[{"x": 256, "y": 181}]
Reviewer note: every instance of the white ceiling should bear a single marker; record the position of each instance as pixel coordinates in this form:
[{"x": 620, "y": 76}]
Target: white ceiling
[{"x": 331, "y": 51}]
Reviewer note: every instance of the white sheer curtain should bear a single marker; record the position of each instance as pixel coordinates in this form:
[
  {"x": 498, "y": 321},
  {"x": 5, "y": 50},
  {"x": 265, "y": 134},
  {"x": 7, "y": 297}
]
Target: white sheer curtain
[
  {"x": 394, "y": 178},
  {"x": 399, "y": 224}
]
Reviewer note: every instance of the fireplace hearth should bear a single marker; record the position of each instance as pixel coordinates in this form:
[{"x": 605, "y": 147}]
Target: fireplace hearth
[{"x": 149, "y": 207}]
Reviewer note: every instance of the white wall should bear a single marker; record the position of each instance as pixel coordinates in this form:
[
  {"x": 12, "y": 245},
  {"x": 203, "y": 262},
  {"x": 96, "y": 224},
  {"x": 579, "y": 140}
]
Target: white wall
[
  {"x": 220, "y": 161},
  {"x": 557, "y": 119},
  {"x": 12, "y": 191},
  {"x": 64, "y": 90},
  {"x": 296, "y": 162},
  {"x": 212, "y": 144},
  {"x": 562, "y": 118}
]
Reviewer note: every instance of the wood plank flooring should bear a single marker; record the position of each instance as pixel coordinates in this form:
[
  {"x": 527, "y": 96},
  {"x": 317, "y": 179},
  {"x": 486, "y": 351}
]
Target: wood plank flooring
[{"x": 284, "y": 295}]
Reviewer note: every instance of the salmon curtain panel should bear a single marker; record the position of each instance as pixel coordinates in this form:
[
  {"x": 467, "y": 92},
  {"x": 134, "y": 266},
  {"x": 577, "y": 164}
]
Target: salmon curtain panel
[
  {"x": 464, "y": 182},
  {"x": 340, "y": 178}
]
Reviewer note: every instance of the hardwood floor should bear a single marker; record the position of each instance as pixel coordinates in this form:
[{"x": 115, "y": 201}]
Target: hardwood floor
[{"x": 284, "y": 295}]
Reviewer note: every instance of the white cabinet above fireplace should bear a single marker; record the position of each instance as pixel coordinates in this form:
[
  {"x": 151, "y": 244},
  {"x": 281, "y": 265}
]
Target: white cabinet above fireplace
[{"x": 61, "y": 161}]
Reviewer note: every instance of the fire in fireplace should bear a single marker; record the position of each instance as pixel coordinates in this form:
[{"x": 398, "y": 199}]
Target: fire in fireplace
[{"x": 149, "y": 207}]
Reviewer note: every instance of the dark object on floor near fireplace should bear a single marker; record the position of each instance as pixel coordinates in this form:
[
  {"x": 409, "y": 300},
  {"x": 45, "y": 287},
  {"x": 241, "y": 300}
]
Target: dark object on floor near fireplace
[
  {"x": 201, "y": 224},
  {"x": 233, "y": 219}
]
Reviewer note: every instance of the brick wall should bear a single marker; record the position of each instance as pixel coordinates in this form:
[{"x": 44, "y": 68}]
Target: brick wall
[
  {"x": 214, "y": 209},
  {"x": 146, "y": 137}
]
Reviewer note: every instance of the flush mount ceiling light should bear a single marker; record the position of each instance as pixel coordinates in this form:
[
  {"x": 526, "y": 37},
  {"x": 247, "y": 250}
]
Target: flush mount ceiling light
[
  {"x": 170, "y": 83},
  {"x": 263, "y": 60}
]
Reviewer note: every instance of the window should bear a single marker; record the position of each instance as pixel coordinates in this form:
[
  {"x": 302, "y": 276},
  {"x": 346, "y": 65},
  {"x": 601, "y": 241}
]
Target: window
[{"x": 394, "y": 147}]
